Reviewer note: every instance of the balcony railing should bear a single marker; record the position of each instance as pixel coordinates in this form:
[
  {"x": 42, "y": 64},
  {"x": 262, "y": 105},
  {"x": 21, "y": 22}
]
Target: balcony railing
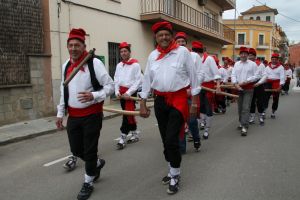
[
  {"x": 262, "y": 45},
  {"x": 184, "y": 13}
]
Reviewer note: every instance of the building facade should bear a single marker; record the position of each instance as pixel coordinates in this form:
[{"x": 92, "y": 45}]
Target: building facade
[
  {"x": 107, "y": 23},
  {"x": 294, "y": 54},
  {"x": 25, "y": 61},
  {"x": 256, "y": 28}
]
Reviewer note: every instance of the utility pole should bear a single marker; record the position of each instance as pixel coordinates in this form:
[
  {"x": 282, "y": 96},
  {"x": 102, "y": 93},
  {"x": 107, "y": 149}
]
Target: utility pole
[{"x": 233, "y": 48}]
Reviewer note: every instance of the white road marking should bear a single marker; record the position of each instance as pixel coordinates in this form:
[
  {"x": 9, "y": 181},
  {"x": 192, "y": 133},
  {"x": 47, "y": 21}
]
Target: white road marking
[{"x": 56, "y": 161}]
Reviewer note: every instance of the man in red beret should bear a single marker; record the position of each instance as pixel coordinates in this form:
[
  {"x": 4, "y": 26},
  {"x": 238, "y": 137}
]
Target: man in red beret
[
  {"x": 228, "y": 67},
  {"x": 128, "y": 78},
  {"x": 274, "y": 78},
  {"x": 220, "y": 100},
  {"x": 212, "y": 78},
  {"x": 83, "y": 99},
  {"x": 170, "y": 71},
  {"x": 181, "y": 40},
  {"x": 288, "y": 76},
  {"x": 258, "y": 92},
  {"x": 244, "y": 75}
]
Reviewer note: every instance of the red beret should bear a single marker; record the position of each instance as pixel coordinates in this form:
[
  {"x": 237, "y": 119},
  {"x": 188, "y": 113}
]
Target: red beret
[
  {"x": 244, "y": 49},
  {"x": 124, "y": 45},
  {"x": 275, "y": 55},
  {"x": 164, "y": 25},
  {"x": 180, "y": 35},
  {"x": 77, "y": 34},
  {"x": 197, "y": 45},
  {"x": 252, "y": 51}
]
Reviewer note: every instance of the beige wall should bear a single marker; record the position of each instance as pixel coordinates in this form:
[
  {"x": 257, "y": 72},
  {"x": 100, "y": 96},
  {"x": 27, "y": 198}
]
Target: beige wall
[{"x": 101, "y": 28}]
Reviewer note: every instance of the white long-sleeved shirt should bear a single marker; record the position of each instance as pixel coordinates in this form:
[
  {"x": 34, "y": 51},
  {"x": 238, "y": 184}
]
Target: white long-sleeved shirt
[
  {"x": 244, "y": 72},
  {"x": 82, "y": 83},
  {"x": 198, "y": 64},
  {"x": 229, "y": 72},
  {"x": 273, "y": 74},
  {"x": 288, "y": 73},
  {"x": 224, "y": 74},
  {"x": 260, "y": 70},
  {"x": 210, "y": 69},
  {"x": 173, "y": 72},
  {"x": 129, "y": 76}
]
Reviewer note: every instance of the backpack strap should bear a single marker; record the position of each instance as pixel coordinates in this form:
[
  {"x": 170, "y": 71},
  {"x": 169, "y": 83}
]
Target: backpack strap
[
  {"x": 66, "y": 89},
  {"x": 95, "y": 83}
]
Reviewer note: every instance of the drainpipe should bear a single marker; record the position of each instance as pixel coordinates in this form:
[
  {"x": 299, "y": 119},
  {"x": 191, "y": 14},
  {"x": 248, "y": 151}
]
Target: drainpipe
[
  {"x": 59, "y": 36},
  {"x": 233, "y": 49}
]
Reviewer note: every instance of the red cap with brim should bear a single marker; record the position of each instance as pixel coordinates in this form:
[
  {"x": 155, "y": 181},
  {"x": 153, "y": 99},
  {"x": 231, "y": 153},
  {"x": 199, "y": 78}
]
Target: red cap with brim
[
  {"x": 77, "y": 34},
  {"x": 124, "y": 45},
  {"x": 197, "y": 45},
  {"x": 164, "y": 25},
  {"x": 275, "y": 55},
  {"x": 180, "y": 35},
  {"x": 252, "y": 51},
  {"x": 244, "y": 49}
]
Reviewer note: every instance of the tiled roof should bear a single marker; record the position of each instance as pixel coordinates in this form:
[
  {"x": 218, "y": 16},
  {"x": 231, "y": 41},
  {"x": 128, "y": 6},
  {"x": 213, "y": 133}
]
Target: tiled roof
[{"x": 260, "y": 9}]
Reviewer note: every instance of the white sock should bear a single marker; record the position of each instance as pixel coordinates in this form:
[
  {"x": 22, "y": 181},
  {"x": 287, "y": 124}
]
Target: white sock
[
  {"x": 174, "y": 171},
  {"x": 88, "y": 179},
  {"x": 98, "y": 162}
]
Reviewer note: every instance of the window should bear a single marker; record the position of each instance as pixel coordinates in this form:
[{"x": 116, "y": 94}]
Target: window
[
  {"x": 258, "y": 18},
  {"x": 113, "y": 57},
  {"x": 241, "y": 38},
  {"x": 268, "y": 18},
  {"x": 261, "y": 39},
  {"x": 251, "y": 18}
]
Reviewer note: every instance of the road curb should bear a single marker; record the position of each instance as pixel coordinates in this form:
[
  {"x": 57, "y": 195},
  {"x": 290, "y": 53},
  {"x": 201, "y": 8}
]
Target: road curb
[{"x": 36, "y": 134}]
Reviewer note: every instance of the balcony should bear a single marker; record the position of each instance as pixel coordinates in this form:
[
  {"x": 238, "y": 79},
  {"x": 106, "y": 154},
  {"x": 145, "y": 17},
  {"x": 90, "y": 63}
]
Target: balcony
[
  {"x": 262, "y": 46},
  {"x": 242, "y": 44},
  {"x": 225, "y": 4},
  {"x": 186, "y": 18}
]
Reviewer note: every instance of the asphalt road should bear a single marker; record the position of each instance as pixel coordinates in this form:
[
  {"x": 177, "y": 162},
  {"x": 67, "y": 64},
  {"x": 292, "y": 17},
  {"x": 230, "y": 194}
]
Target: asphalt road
[{"x": 265, "y": 165}]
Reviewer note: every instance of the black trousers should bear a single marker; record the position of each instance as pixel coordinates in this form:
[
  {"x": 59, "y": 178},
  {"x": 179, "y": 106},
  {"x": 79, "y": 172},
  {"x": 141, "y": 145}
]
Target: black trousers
[
  {"x": 205, "y": 104},
  {"x": 170, "y": 122},
  {"x": 286, "y": 86},
  {"x": 126, "y": 127},
  {"x": 275, "y": 97},
  {"x": 221, "y": 101},
  {"x": 258, "y": 99},
  {"x": 83, "y": 134}
]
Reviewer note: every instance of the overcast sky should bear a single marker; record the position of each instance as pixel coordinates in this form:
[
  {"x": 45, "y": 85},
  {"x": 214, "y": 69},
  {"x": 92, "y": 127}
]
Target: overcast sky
[{"x": 290, "y": 8}]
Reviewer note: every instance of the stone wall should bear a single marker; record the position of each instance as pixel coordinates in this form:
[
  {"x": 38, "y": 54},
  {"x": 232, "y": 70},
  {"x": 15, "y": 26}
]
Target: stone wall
[
  {"x": 32, "y": 101},
  {"x": 25, "y": 63}
]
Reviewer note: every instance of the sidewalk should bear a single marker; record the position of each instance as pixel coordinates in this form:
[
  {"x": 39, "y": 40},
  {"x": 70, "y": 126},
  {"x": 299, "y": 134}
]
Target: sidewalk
[{"x": 33, "y": 128}]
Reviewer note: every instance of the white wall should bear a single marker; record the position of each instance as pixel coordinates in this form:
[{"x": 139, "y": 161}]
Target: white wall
[
  {"x": 262, "y": 16},
  {"x": 101, "y": 29}
]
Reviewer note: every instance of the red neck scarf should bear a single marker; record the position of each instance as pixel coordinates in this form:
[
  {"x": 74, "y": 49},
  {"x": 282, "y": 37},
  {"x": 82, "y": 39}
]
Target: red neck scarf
[
  {"x": 257, "y": 62},
  {"x": 76, "y": 63},
  {"x": 286, "y": 67},
  {"x": 219, "y": 66},
  {"x": 204, "y": 57},
  {"x": 173, "y": 45},
  {"x": 129, "y": 62},
  {"x": 274, "y": 67}
]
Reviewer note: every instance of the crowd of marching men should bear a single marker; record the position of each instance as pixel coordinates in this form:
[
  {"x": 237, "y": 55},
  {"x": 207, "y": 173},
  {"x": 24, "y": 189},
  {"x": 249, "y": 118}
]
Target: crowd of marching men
[{"x": 188, "y": 85}]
